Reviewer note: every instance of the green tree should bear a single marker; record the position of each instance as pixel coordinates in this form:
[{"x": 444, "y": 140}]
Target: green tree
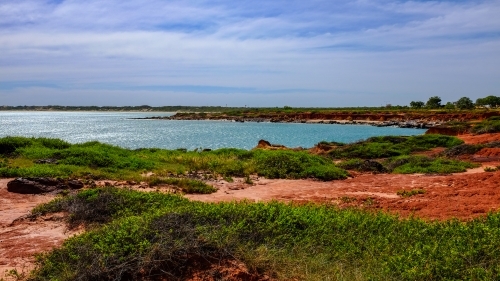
[
  {"x": 489, "y": 101},
  {"x": 417, "y": 104},
  {"x": 492, "y": 101},
  {"x": 449, "y": 105},
  {"x": 481, "y": 102},
  {"x": 465, "y": 103},
  {"x": 434, "y": 102}
]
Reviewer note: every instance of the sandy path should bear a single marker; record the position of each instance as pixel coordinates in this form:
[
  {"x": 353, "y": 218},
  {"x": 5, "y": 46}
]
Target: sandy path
[{"x": 21, "y": 239}]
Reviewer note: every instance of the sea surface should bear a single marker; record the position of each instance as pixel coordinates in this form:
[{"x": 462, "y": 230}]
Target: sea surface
[{"x": 118, "y": 128}]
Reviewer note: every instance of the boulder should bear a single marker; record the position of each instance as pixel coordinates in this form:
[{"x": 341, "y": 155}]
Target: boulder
[
  {"x": 75, "y": 184},
  {"x": 41, "y": 185},
  {"x": 263, "y": 144}
]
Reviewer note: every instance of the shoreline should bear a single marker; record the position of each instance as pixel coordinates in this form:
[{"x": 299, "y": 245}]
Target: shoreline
[{"x": 413, "y": 124}]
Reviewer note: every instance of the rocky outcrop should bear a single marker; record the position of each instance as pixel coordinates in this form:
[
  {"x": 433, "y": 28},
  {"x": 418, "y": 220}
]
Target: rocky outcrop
[
  {"x": 263, "y": 144},
  {"x": 41, "y": 185}
]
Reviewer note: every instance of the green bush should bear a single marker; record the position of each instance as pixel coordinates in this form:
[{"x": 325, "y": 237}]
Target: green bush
[
  {"x": 282, "y": 164},
  {"x": 426, "y": 165},
  {"x": 9, "y": 145},
  {"x": 154, "y": 235},
  {"x": 487, "y": 126},
  {"x": 389, "y": 146},
  {"x": 324, "y": 173}
]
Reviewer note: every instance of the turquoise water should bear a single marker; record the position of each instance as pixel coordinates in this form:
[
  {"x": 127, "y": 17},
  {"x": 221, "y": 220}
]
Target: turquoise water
[{"x": 116, "y": 128}]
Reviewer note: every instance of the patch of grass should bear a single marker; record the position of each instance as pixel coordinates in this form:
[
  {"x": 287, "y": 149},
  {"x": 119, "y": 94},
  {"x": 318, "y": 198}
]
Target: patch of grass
[
  {"x": 426, "y": 165},
  {"x": 96, "y": 160},
  {"x": 188, "y": 186},
  {"x": 409, "y": 193},
  {"x": 491, "y": 169},
  {"x": 152, "y": 234},
  {"x": 331, "y": 143},
  {"x": 390, "y": 146},
  {"x": 282, "y": 164},
  {"x": 491, "y": 125}
]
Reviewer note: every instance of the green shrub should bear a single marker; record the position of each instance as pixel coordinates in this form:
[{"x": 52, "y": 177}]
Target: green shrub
[
  {"x": 390, "y": 146},
  {"x": 325, "y": 173},
  {"x": 9, "y": 145},
  {"x": 282, "y": 164},
  {"x": 487, "y": 126},
  {"x": 426, "y": 165},
  {"x": 155, "y": 235}
]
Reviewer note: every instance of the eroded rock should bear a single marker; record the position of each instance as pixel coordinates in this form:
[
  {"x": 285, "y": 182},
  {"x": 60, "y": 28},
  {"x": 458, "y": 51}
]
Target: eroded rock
[{"x": 41, "y": 185}]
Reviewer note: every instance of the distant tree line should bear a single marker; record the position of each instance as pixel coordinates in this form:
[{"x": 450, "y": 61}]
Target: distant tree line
[{"x": 462, "y": 103}]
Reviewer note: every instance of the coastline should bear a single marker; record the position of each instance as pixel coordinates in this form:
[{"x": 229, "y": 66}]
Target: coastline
[{"x": 412, "y": 123}]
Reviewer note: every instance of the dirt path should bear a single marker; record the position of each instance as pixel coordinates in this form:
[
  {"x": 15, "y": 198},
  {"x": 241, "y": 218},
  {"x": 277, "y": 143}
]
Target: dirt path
[{"x": 21, "y": 239}]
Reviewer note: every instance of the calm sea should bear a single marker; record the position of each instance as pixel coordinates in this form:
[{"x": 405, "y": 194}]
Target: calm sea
[{"x": 118, "y": 129}]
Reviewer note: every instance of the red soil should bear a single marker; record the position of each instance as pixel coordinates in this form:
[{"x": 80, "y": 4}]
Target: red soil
[
  {"x": 476, "y": 139},
  {"x": 462, "y": 196},
  {"x": 21, "y": 238}
]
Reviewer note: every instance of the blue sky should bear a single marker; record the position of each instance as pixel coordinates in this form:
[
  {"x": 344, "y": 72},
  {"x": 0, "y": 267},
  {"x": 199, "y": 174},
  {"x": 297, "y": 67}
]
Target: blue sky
[{"x": 254, "y": 53}]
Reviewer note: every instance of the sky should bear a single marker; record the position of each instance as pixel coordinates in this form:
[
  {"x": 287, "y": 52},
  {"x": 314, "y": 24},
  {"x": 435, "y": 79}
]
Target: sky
[{"x": 247, "y": 53}]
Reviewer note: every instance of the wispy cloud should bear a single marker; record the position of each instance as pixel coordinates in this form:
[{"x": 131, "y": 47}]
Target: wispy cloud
[{"x": 341, "y": 50}]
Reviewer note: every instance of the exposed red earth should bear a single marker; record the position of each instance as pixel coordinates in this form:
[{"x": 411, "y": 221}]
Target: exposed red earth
[
  {"x": 21, "y": 238},
  {"x": 463, "y": 196}
]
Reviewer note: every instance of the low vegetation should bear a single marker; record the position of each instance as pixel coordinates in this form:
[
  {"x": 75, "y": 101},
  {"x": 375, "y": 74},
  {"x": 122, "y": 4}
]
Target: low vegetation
[
  {"x": 492, "y": 125},
  {"x": 409, "y": 193},
  {"x": 43, "y": 157},
  {"x": 94, "y": 160},
  {"x": 389, "y": 146},
  {"x": 468, "y": 149},
  {"x": 187, "y": 186},
  {"x": 426, "y": 165},
  {"x": 138, "y": 236}
]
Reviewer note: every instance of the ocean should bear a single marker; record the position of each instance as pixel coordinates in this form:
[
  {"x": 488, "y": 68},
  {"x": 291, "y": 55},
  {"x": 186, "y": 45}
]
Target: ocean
[{"x": 119, "y": 129}]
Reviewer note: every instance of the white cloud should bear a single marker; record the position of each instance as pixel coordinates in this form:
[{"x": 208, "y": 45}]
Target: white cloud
[{"x": 380, "y": 49}]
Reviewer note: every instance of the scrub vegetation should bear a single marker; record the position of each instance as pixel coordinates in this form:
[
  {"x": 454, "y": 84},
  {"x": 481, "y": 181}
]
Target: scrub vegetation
[
  {"x": 492, "y": 125},
  {"x": 394, "y": 155},
  {"x": 42, "y": 157},
  {"x": 389, "y": 146},
  {"x": 138, "y": 236}
]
